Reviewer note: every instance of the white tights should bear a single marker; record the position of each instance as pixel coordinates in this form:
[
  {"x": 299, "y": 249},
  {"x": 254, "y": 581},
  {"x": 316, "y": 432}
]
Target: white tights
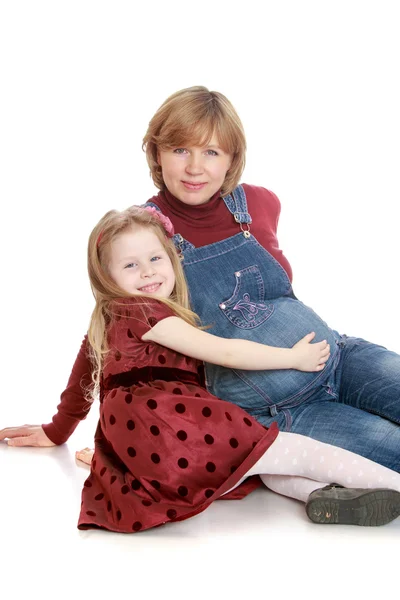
[{"x": 296, "y": 465}]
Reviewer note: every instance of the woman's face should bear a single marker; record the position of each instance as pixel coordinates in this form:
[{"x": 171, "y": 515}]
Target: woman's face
[{"x": 193, "y": 174}]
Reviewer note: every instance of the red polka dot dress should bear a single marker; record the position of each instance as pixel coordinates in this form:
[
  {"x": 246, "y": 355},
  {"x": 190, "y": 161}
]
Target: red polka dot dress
[{"x": 164, "y": 447}]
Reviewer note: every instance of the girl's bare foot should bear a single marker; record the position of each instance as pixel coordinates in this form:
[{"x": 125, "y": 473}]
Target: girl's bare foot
[{"x": 85, "y": 455}]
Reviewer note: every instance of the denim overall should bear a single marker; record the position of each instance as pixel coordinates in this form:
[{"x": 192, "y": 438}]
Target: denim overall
[{"x": 241, "y": 291}]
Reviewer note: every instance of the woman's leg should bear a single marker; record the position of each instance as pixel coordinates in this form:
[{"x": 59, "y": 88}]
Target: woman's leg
[
  {"x": 358, "y": 407},
  {"x": 368, "y": 377},
  {"x": 347, "y": 427},
  {"x": 364, "y": 413}
]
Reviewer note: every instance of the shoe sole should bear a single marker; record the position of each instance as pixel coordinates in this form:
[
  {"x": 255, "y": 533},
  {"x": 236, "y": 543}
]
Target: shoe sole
[{"x": 370, "y": 509}]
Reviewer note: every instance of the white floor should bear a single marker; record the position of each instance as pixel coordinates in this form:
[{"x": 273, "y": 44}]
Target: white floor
[{"x": 260, "y": 545}]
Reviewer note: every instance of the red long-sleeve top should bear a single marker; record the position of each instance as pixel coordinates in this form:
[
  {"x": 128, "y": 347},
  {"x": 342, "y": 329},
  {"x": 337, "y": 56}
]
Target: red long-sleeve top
[{"x": 200, "y": 225}]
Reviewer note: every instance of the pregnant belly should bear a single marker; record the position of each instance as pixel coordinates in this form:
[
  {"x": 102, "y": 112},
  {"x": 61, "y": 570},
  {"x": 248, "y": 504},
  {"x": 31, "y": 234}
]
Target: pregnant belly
[{"x": 289, "y": 321}]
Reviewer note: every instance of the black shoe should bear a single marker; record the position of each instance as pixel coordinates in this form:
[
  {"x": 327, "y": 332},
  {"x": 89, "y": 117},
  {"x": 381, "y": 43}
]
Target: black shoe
[{"x": 348, "y": 506}]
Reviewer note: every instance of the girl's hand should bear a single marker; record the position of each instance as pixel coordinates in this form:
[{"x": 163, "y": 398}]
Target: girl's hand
[
  {"x": 26, "y": 435},
  {"x": 310, "y": 357}
]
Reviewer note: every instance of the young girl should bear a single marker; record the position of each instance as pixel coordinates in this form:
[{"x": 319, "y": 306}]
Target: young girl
[{"x": 164, "y": 447}]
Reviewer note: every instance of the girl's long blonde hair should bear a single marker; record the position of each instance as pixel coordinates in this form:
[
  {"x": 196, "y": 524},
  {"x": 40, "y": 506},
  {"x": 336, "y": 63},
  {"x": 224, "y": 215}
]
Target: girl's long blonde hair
[
  {"x": 106, "y": 292},
  {"x": 191, "y": 117}
]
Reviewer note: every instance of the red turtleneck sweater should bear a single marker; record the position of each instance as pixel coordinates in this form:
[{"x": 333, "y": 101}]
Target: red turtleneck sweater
[{"x": 200, "y": 225}]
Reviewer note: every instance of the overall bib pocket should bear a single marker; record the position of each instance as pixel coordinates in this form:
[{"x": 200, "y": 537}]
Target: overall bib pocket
[{"x": 246, "y": 308}]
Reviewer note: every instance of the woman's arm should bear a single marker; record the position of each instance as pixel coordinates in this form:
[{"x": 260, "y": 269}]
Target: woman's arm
[
  {"x": 71, "y": 410},
  {"x": 178, "y": 335},
  {"x": 74, "y": 406},
  {"x": 26, "y": 435}
]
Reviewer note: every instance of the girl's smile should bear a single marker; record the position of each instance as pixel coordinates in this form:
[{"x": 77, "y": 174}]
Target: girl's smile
[
  {"x": 150, "y": 289},
  {"x": 140, "y": 265}
]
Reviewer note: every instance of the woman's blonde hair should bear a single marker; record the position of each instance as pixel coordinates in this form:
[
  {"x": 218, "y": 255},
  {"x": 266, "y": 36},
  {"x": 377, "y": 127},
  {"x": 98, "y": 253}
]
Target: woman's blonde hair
[
  {"x": 191, "y": 117},
  {"x": 106, "y": 292}
]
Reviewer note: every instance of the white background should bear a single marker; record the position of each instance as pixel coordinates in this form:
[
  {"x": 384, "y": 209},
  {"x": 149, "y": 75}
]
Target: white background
[{"x": 316, "y": 84}]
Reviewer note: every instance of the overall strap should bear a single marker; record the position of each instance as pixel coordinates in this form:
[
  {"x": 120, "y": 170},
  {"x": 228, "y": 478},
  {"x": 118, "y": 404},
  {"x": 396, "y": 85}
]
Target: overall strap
[
  {"x": 236, "y": 203},
  {"x": 180, "y": 243},
  {"x": 151, "y": 204}
]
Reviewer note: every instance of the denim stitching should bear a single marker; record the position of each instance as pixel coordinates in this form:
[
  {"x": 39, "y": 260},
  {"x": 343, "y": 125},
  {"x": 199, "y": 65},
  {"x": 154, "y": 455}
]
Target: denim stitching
[
  {"x": 393, "y": 419},
  {"x": 334, "y": 359},
  {"x": 249, "y": 309},
  {"x": 276, "y": 263},
  {"x": 237, "y": 200},
  {"x": 255, "y": 387},
  {"x": 221, "y": 253},
  {"x": 288, "y": 420},
  {"x": 249, "y": 324},
  {"x": 254, "y": 272},
  {"x": 241, "y": 203}
]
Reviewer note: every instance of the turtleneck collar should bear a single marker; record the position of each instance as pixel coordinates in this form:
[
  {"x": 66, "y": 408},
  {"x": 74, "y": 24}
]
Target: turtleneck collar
[{"x": 200, "y": 211}]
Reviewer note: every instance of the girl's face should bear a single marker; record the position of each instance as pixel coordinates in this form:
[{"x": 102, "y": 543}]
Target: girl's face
[
  {"x": 139, "y": 264},
  {"x": 194, "y": 174}
]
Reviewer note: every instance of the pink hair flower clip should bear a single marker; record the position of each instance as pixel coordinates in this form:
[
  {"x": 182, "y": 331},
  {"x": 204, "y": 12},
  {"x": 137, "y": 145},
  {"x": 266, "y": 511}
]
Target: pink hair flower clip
[{"x": 165, "y": 221}]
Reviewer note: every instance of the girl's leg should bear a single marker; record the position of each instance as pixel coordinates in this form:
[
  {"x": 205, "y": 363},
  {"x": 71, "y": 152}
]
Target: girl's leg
[
  {"x": 85, "y": 455},
  {"x": 292, "y": 486},
  {"x": 294, "y": 454},
  {"x": 305, "y": 459}
]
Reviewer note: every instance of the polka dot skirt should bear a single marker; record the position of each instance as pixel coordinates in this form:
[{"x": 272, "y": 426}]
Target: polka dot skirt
[{"x": 164, "y": 447}]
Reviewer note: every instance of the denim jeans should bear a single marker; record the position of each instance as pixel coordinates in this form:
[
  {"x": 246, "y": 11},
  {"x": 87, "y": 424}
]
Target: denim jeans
[{"x": 357, "y": 409}]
